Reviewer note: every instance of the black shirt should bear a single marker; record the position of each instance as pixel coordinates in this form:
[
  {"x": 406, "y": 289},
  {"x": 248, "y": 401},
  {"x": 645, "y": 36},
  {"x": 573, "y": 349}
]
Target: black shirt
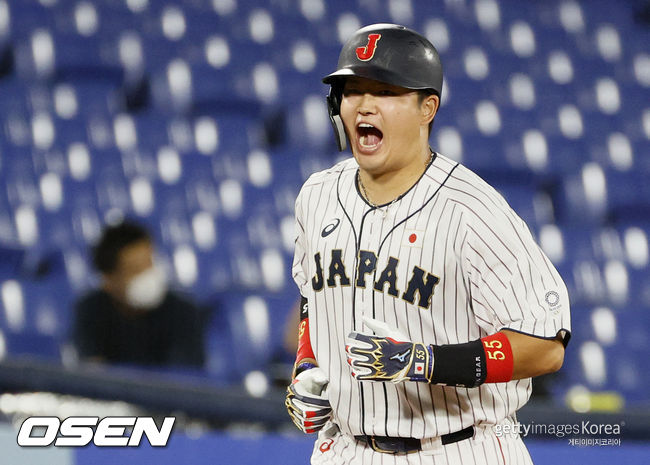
[{"x": 171, "y": 334}]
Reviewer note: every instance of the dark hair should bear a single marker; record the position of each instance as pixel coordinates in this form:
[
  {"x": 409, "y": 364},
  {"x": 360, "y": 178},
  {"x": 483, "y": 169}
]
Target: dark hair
[{"x": 113, "y": 240}]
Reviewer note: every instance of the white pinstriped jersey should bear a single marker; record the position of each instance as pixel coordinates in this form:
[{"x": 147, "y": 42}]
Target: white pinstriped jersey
[{"x": 448, "y": 262}]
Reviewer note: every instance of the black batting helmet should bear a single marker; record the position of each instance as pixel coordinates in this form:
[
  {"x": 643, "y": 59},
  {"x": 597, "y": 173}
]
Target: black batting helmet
[{"x": 387, "y": 53}]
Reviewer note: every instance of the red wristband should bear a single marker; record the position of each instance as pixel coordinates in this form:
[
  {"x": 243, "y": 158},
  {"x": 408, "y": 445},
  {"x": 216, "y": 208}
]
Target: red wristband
[
  {"x": 498, "y": 358},
  {"x": 304, "y": 343}
]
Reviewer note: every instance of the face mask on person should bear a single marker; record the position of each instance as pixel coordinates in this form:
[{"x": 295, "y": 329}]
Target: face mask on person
[{"x": 147, "y": 290}]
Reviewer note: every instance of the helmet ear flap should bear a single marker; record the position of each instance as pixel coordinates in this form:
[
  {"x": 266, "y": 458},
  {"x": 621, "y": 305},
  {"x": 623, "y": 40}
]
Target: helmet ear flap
[{"x": 334, "y": 110}]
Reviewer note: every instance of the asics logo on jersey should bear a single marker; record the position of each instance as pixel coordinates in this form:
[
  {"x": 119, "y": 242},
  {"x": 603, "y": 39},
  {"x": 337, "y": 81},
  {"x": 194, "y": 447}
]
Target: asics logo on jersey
[
  {"x": 421, "y": 283},
  {"x": 327, "y": 230},
  {"x": 401, "y": 357}
]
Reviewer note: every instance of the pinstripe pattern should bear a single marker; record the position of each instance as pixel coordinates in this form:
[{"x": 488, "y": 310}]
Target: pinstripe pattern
[
  {"x": 491, "y": 275},
  {"x": 487, "y": 449}
]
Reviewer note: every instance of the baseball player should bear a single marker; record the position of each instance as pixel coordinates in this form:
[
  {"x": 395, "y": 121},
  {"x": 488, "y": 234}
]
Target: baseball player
[{"x": 427, "y": 306}]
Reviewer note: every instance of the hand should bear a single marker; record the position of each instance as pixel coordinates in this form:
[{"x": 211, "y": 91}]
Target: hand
[
  {"x": 307, "y": 402},
  {"x": 388, "y": 355}
]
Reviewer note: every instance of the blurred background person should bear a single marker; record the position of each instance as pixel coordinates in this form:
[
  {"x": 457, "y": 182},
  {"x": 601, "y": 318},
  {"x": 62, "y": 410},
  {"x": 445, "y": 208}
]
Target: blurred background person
[{"x": 133, "y": 317}]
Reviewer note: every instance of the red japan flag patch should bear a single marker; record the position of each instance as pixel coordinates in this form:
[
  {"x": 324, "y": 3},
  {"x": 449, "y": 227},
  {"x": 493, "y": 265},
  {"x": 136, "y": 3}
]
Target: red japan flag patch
[
  {"x": 419, "y": 368},
  {"x": 413, "y": 238}
]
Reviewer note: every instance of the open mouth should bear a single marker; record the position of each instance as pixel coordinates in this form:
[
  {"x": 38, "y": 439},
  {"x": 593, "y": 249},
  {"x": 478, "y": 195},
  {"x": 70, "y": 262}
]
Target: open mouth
[{"x": 369, "y": 136}]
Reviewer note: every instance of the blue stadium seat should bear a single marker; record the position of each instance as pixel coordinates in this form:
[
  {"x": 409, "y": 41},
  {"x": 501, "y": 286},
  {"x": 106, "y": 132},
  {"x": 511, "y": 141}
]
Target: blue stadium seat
[
  {"x": 95, "y": 96},
  {"x": 88, "y": 112},
  {"x": 523, "y": 201},
  {"x": 485, "y": 155},
  {"x": 247, "y": 273},
  {"x": 295, "y": 85},
  {"x": 628, "y": 195},
  {"x": 37, "y": 318},
  {"x": 115, "y": 17},
  {"x": 202, "y": 192},
  {"x": 584, "y": 243},
  {"x": 215, "y": 268},
  {"x": 8, "y": 236},
  {"x": 72, "y": 130},
  {"x": 465, "y": 93},
  {"x": 248, "y": 321},
  {"x": 307, "y": 124},
  {"x": 581, "y": 198},
  {"x": 21, "y": 184},
  {"x": 228, "y": 165},
  {"x": 112, "y": 190},
  {"x": 153, "y": 130},
  {"x": 16, "y": 95},
  {"x": 594, "y": 16},
  {"x": 207, "y": 90},
  {"x": 622, "y": 356},
  {"x": 28, "y": 16},
  {"x": 26, "y": 345},
  {"x": 219, "y": 347},
  {"x": 626, "y": 358},
  {"x": 76, "y": 57},
  {"x": 12, "y": 259},
  {"x": 584, "y": 281},
  {"x": 565, "y": 156},
  {"x": 286, "y": 167},
  {"x": 639, "y": 285}
]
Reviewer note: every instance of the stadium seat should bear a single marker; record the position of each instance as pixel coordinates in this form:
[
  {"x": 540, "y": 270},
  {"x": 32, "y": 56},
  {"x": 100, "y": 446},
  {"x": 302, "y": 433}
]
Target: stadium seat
[
  {"x": 202, "y": 193},
  {"x": 307, "y": 124},
  {"x": 203, "y": 118},
  {"x": 25, "y": 17},
  {"x": 248, "y": 320},
  {"x": 32, "y": 345},
  {"x": 609, "y": 354},
  {"x": 626, "y": 358},
  {"x": 486, "y": 156},
  {"x": 36, "y": 317},
  {"x": 628, "y": 195},
  {"x": 524, "y": 201},
  {"x": 581, "y": 198}
]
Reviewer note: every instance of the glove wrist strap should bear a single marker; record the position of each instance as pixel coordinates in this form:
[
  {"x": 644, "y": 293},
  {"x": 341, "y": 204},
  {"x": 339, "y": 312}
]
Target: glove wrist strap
[
  {"x": 422, "y": 367},
  {"x": 304, "y": 366}
]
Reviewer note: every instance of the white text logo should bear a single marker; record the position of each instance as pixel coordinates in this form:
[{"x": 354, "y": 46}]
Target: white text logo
[{"x": 80, "y": 431}]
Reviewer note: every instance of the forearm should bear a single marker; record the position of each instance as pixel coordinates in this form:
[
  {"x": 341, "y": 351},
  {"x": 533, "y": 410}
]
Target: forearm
[
  {"x": 388, "y": 355},
  {"x": 534, "y": 356},
  {"x": 305, "y": 357},
  {"x": 504, "y": 356}
]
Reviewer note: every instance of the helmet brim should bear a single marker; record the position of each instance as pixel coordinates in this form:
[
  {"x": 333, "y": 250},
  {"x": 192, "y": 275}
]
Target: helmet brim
[{"x": 374, "y": 73}]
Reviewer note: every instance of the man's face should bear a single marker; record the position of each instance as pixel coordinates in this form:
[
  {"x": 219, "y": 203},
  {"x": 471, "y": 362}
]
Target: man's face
[
  {"x": 131, "y": 261},
  {"x": 383, "y": 123}
]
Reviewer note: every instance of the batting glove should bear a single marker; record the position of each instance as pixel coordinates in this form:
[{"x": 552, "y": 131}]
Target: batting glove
[
  {"x": 307, "y": 402},
  {"x": 388, "y": 355}
]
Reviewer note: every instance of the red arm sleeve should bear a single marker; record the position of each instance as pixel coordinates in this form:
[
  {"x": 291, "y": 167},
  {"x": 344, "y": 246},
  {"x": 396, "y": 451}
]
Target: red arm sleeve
[{"x": 305, "y": 350}]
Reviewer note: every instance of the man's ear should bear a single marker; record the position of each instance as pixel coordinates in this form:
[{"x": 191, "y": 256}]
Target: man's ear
[{"x": 429, "y": 108}]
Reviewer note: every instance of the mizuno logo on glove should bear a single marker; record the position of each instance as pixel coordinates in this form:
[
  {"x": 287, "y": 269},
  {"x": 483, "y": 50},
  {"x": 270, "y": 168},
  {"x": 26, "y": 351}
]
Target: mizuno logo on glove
[{"x": 388, "y": 355}]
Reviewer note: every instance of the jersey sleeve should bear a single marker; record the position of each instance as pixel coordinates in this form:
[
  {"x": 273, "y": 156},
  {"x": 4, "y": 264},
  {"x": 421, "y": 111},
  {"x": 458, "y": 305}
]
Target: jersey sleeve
[
  {"x": 512, "y": 284},
  {"x": 299, "y": 268}
]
